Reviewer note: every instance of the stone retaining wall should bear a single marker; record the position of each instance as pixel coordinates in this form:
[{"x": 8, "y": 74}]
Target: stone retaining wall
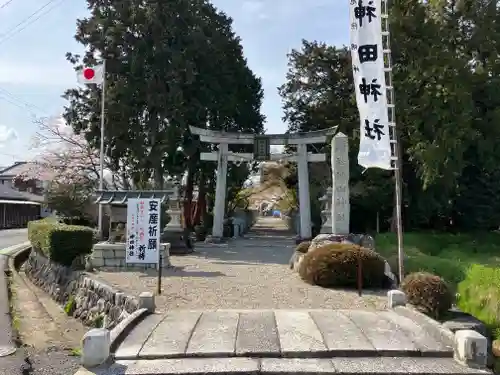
[{"x": 81, "y": 296}]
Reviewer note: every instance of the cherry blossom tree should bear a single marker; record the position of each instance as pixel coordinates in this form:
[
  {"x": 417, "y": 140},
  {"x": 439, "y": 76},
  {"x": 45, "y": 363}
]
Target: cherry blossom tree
[
  {"x": 70, "y": 165},
  {"x": 66, "y": 158}
]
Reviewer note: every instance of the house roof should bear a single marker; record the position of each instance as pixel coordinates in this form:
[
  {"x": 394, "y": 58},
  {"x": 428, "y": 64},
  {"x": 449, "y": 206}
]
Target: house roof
[
  {"x": 13, "y": 170},
  {"x": 120, "y": 197},
  {"x": 7, "y": 192},
  {"x": 25, "y": 167}
]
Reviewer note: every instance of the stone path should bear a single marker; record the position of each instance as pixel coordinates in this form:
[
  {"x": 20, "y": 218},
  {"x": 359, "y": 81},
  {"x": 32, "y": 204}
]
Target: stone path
[
  {"x": 246, "y": 312},
  {"x": 281, "y": 333},
  {"x": 300, "y": 342},
  {"x": 245, "y": 273}
]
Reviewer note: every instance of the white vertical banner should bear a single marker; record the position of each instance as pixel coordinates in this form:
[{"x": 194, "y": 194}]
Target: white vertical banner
[
  {"x": 369, "y": 83},
  {"x": 143, "y": 231}
]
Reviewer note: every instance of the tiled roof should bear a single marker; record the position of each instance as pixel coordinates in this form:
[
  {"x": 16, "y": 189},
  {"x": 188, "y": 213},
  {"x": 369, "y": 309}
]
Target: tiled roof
[
  {"x": 23, "y": 167},
  {"x": 119, "y": 197},
  {"x": 7, "y": 192}
]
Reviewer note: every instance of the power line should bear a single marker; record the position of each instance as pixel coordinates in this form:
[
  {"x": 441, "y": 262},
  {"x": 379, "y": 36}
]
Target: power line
[
  {"x": 5, "y": 4},
  {"x": 35, "y": 16},
  {"x": 25, "y": 103}
]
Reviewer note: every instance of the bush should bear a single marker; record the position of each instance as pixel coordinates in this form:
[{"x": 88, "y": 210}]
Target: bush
[
  {"x": 303, "y": 247},
  {"x": 429, "y": 293},
  {"x": 479, "y": 294},
  {"x": 336, "y": 265},
  {"x": 60, "y": 242}
]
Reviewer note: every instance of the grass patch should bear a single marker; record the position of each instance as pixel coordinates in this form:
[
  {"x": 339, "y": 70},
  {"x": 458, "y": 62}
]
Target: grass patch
[
  {"x": 69, "y": 307},
  {"x": 14, "y": 315},
  {"x": 469, "y": 263},
  {"x": 75, "y": 352},
  {"x": 444, "y": 254}
]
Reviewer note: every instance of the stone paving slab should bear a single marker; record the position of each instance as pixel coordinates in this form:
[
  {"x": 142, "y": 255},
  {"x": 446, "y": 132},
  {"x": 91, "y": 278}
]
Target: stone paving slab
[
  {"x": 282, "y": 366},
  {"x": 281, "y": 333}
]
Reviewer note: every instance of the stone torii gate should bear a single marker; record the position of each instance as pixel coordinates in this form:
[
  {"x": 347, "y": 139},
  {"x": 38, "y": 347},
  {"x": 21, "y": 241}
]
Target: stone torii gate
[{"x": 262, "y": 152}]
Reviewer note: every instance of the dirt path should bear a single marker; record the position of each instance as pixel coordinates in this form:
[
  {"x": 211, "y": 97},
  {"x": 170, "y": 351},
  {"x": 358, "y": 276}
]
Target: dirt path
[{"x": 50, "y": 337}]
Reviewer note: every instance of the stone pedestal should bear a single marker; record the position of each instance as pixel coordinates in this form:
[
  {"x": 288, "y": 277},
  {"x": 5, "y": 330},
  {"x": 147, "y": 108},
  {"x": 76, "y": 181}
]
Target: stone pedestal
[
  {"x": 340, "y": 211},
  {"x": 174, "y": 233},
  {"x": 326, "y": 213},
  {"x": 112, "y": 255}
]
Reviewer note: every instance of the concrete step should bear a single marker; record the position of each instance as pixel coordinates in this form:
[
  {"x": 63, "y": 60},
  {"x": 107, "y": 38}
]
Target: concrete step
[
  {"x": 283, "y": 366},
  {"x": 281, "y": 333}
]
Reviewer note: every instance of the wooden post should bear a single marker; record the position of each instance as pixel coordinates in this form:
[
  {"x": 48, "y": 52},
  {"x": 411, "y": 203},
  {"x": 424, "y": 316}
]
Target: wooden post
[
  {"x": 158, "y": 283},
  {"x": 360, "y": 274}
]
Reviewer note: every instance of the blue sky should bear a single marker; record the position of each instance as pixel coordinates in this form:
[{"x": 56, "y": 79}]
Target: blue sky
[{"x": 34, "y": 71}]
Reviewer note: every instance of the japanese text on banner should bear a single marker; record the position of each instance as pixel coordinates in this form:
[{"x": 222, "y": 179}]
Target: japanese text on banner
[
  {"x": 369, "y": 83},
  {"x": 144, "y": 230}
]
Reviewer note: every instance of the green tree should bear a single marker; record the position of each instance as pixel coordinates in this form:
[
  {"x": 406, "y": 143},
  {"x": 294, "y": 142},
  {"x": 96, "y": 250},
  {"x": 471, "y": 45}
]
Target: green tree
[
  {"x": 170, "y": 64},
  {"x": 319, "y": 94}
]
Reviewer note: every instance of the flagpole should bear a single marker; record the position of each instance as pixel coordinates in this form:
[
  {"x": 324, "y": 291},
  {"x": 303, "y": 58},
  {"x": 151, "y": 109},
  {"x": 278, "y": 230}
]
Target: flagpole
[
  {"x": 396, "y": 141},
  {"x": 101, "y": 152}
]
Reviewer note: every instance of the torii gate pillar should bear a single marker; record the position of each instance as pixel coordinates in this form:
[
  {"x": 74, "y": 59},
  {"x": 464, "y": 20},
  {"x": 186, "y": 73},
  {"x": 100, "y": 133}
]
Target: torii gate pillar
[
  {"x": 220, "y": 192},
  {"x": 304, "y": 196}
]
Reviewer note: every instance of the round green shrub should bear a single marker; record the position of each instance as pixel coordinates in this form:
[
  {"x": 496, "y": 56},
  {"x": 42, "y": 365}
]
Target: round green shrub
[
  {"x": 429, "y": 293},
  {"x": 336, "y": 265},
  {"x": 303, "y": 247}
]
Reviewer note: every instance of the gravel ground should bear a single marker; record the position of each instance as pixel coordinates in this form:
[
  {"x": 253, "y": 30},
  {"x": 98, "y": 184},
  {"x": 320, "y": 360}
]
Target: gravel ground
[{"x": 249, "y": 273}]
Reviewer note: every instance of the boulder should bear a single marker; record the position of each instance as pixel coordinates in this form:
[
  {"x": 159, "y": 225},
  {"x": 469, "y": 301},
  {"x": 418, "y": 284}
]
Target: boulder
[
  {"x": 295, "y": 260},
  {"x": 325, "y": 239}
]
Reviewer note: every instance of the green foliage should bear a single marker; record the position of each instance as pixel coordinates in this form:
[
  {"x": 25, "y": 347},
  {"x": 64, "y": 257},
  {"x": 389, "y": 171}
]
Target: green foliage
[
  {"x": 69, "y": 307},
  {"x": 428, "y": 293},
  {"x": 303, "y": 247},
  {"x": 70, "y": 201},
  {"x": 336, "y": 265},
  {"x": 446, "y": 76},
  {"x": 444, "y": 254},
  {"x": 479, "y": 294},
  {"x": 156, "y": 88},
  {"x": 61, "y": 243}
]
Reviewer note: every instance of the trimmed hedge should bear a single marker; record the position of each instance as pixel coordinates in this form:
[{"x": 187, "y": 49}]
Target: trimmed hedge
[
  {"x": 428, "y": 293},
  {"x": 336, "y": 265},
  {"x": 60, "y": 242}
]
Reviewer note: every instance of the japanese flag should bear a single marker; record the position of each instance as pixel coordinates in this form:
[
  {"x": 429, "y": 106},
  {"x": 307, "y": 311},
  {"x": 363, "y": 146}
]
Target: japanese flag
[{"x": 91, "y": 75}]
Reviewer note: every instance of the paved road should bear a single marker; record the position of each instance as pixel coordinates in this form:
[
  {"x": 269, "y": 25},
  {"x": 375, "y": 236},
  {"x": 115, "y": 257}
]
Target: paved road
[
  {"x": 11, "y": 237},
  {"x": 10, "y": 364}
]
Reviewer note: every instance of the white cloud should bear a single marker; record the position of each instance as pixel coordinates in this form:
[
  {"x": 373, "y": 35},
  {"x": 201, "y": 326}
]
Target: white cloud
[
  {"x": 6, "y": 134},
  {"x": 254, "y": 9}
]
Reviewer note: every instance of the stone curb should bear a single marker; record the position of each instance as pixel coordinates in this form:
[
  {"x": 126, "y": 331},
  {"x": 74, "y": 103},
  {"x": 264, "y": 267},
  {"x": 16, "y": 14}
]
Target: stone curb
[
  {"x": 13, "y": 250},
  {"x": 412, "y": 313},
  {"x": 283, "y": 366},
  {"x": 7, "y": 268},
  {"x": 5, "y": 317},
  {"x": 470, "y": 348},
  {"x": 123, "y": 328}
]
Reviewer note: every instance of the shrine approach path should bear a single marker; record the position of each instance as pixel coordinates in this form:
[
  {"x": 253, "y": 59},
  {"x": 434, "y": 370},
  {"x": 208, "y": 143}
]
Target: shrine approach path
[{"x": 245, "y": 273}]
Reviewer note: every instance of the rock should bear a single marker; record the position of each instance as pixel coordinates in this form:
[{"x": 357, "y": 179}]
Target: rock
[
  {"x": 495, "y": 348},
  {"x": 295, "y": 260},
  {"x": 364, "y": 240},
  {"x": 325, "y": 239},
  {"x": 463, "y": 321}
]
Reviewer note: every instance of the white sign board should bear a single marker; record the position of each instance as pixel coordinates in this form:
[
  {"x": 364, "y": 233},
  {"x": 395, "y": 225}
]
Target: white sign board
[
  {"x": 369, "y": 82},
  {"x": 143, "y": 231}
]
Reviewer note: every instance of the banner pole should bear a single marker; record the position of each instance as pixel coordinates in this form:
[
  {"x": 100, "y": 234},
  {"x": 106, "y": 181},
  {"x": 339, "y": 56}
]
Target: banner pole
[
  {"x": 101, "y": 151},
  {"x": 395, "y": 139}
]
